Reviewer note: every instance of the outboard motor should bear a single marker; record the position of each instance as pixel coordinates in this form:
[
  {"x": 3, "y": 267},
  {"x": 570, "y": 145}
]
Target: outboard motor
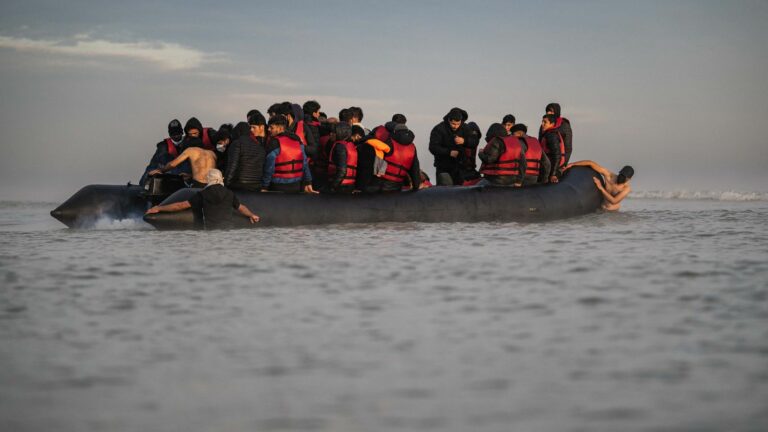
[{"x": 161, "y": 186}]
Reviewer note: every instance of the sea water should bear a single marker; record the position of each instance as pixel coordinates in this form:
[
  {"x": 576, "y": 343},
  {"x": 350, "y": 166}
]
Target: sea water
[{"x": 653, "y": 318}]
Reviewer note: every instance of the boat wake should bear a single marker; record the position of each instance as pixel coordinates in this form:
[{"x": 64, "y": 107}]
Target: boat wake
[{"x": 701, "y": 195}]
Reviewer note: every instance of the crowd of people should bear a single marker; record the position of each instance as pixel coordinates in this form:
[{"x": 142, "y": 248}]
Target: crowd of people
[{"x": 299, "y": 149}]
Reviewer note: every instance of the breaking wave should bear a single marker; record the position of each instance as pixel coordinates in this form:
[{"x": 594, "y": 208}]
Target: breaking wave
[{"x": 701, "y": 195}]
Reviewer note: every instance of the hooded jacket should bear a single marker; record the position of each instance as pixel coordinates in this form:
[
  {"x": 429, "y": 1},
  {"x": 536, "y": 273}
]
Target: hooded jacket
[
  {"x": 441, "y": 143},
  {"x": 194, "y": 123}
]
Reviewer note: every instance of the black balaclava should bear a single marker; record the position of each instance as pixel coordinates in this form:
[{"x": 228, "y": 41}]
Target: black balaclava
[{"x": 174, "y": 128}]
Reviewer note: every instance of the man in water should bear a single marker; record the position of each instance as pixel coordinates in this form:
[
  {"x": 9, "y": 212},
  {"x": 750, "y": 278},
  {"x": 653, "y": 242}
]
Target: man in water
[
  {"x": 202, "y": 161},
  {"x": 616, "y": 185},
  {"x": 214, "y": 203}
]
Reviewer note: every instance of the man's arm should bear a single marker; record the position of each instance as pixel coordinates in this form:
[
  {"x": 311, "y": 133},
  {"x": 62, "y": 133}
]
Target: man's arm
[
  {"x": 567, "y": 139},
  {"x": 415, "y": 173},
  {"x": 169, "y": 208},
  {"x": 233, "y": 162},
  {"x": 245, "y": 211},
  {"x": 339, "y": 158},
  {"x": 311, "y": 149},
  {"x": 544, "y": 167},
  {"x": 490, "y": 154},
  {"x": 176, "y": 162},
  {"x": 521, "y": 163},
  {"x": 172, "y": 164},
  {"x": 306, "y": 178},
  {"x": 553, "y": 147},
  {"x": 269, "y": 168},
  {"x": 154, "y": 163},
  {"x": 591, "y": 164},
  {"x": 611, "y": 198},
  {"x": 436, "y": 146}
]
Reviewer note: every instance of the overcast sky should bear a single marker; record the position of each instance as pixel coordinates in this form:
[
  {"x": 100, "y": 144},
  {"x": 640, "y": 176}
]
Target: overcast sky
[{"x": 678, "y": 89}]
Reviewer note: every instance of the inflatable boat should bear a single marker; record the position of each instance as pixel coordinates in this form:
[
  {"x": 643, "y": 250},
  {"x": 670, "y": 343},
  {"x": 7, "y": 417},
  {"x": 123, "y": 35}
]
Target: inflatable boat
[{"x": 574, "y": 195}]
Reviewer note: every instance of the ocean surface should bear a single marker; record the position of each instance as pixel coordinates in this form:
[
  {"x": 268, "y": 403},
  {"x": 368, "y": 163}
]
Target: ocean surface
[{"x": 651, "y": 319}]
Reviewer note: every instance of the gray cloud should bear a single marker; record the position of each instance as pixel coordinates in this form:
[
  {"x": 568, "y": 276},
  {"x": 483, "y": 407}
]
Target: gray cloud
[{"x": 166, "y": 55}]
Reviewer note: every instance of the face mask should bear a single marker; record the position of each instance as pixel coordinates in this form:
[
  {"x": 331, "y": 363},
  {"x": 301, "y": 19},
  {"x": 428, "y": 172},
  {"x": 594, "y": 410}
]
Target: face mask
[
  {"x": 221, "y": 148},
  {"x": 176, "y": 143}
]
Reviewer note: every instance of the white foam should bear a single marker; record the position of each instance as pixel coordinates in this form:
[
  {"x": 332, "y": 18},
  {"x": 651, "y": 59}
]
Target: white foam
[
  {"x": 701, "y": 195},
  {"x": 105, "y": 223}
]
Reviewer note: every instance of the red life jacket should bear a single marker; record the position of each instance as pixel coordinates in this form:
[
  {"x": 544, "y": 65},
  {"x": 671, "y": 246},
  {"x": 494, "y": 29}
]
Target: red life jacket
[
  {"x": 560, "y": 138},
  {"x": 172, "y": 150},
  {"x": 351, "y": 174},
  {"x": 289, "y": 164},
  {"x": 206, "y": 135},
  {"x": 532, "y": 156},
  {"x": 399, "y": 162},
  {"x": 381, "y": 133},
  {"x": 509, "y": 161},
  {"x": 300, "y": 132}
]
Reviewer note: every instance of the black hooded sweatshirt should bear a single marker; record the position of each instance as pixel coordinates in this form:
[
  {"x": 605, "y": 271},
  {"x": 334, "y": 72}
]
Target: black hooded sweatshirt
[{"x": 194, "y": 123}]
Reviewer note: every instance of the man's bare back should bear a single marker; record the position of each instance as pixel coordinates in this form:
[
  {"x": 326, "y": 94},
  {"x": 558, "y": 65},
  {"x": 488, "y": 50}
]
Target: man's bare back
[
  {"x": 613, "y": 191},
  {"x": 202, "y": 161}
]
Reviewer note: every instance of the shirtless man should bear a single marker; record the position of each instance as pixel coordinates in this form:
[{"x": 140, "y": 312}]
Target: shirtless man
[
  {"x": 202, "y": 161},
  {"x": 616, "y": 185}
]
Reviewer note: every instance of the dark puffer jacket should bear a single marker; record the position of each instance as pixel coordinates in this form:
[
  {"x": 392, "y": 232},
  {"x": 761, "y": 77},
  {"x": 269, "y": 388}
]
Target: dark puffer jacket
[
  {"x": 245, "y": 163},
  {"x": 441, "y": 143}
]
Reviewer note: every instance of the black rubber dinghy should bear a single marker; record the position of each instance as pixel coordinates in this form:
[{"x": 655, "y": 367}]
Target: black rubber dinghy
[{"x": 575, "y": 195}]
